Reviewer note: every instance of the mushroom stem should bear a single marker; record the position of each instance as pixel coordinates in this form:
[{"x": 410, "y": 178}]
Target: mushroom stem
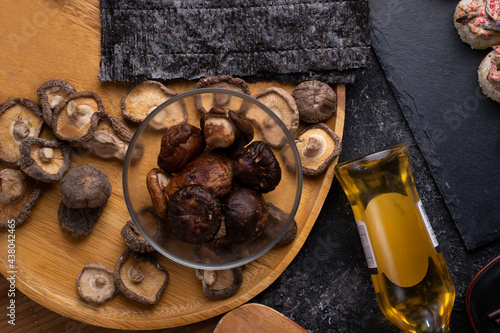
[
  {"x": 135, "y": 274},
  {"x": 45, "y": 154},
  {"x": 78, "y": 115},
  {"x": 21, "y": 128},
  {"x": 100, "y": 281},
  {"x": 315, "y": 146}
]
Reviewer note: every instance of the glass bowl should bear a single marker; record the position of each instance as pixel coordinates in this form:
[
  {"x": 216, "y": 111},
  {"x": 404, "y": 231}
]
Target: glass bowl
[{"x": 142, "y": 156}]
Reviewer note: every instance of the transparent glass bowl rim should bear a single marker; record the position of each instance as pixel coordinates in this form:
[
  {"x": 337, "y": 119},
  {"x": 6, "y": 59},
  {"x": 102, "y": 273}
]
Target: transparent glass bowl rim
[{"x": 133, "y": 214}]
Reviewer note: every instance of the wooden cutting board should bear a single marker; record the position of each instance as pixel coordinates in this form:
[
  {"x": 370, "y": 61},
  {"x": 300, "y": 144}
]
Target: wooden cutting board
[{"x": 49, "y": 39}]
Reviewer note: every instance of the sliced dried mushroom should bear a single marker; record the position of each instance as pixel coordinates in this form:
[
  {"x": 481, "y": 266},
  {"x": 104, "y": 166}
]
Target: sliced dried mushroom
[
  {"x": 19, "y": 118},
  {"x": 205, "y": 103},
  {"x": 95, "y": 283},
  {"x": 133, "y": 237},
  {"x": 144, "y": 97},
  {"x": 194, "y": 214},
  {"x": 18, "y": 195},
  {"x": 140, "y": 277},
  {"x": 50, "y": 94},
  {"x": 85, "y": 187},
  {"x": 276, "y": 222},
  {"x": 110, "y": 138},
  {"x": 220, "y": 284},
  {"x": 223, "y": 128},
  {"x": 45, "y": 160},
  {"x": 179, "y": 145},
  {"x": 256, "y": 166},
  {"x": 157, "y": 181},
  {"x": 73, "y": 119},
  {"x": 79, "y": 222},
  {"x": 318, "y": 146},
  {"x": 211, "y": 169},
  {"x": 316, "y": 101},
  {"x": 283, "y": 105}
]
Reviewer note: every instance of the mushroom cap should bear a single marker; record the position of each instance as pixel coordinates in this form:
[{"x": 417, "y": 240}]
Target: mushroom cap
[
  {"x": 45, "y": 160},
  {"x": 203, "y": 105},
  {"x": 19, "y": 118},
  {"x": 220, "y": 284},
  {"x": 79, "y": 222},
  {"x": 95, "y": 283},
  {"x": 20, "y": 208},
  {"x": 144, "y": 97},
  {"x": 316, "y": 101},
  {"x": 284, "y": 106},
  {"x": 50, "y": 94},
  {"x": 157, "y": 181},
  {"x": 73, "y": 119},
  {"x": 318, "y": 146},
  {"x": 85, "y": 187},
  {"x": 276, "y": 221},
  {"x": 133, "y": 237},
  {"x": 140, "y": 277}
]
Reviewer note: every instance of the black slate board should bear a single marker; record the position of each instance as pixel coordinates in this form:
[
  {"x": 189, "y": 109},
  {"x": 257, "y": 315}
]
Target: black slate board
[
  {"x": 434, "y": 78},
  {"x": 289, "y": 40}
]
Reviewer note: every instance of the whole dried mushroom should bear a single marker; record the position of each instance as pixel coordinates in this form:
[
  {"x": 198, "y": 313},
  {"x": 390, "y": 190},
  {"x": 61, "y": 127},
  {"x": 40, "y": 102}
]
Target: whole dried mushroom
[
  {"x": 277, "y": 218},
  {"x": 157, "y": 181},
  {"x": 45, "y": 160},
  {"x": 220, "y": 284},
  {"x": 19, "y": 118},
  {"x": 144, "y": 97},
  {"x": 179, "y": 145},
  {"x": 150, "y": 221},
  {"x": 73, "y": 120},
  {"x": 256, "y": 166},
  {"x": 316, "y": 101},
  {"x": 284, "y": 107},
  {"x": 18, "y": 194},
  {"x": 95, "y": 283},
  {"x": 318, "y": 146},
  {"x": 208, "y": 101},
  {"x": 194, "y": 214},
  {"x": 223, "y": 128},
  {"x": 140, "y": 277},
  {"x": 85, "y": 187},
  {"x": 211, "y": 169},
  {"x": 79, "y": 222},
  {"x": 50, "y": 94}
]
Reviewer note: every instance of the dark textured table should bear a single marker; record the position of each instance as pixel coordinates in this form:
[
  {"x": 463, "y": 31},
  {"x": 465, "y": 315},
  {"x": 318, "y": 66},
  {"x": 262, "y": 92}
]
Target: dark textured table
[{"x": 327, "y": 288}]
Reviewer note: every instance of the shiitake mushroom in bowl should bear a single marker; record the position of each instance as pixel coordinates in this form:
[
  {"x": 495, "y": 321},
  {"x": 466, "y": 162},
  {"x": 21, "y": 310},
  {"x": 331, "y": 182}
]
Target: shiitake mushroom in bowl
[{"x": 215, "y": 176}]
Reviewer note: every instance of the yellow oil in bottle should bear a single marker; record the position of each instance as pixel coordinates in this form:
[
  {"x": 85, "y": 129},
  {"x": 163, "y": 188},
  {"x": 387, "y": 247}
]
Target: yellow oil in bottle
[{"x": 411, "y": 279}]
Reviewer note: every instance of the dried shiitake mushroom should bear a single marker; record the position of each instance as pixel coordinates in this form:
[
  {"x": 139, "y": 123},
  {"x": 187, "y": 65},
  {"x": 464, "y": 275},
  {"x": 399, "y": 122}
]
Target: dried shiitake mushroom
[
  {"x": 45, "y": 160},
  {"x": 18, "y": 195},
  {"x": 220, "y": 284},
  {"x": 318, "y": 146},
  {"x": 256, "y": 166},
  {"x": 79, "y": 222},
  {"x": 110, "y": 138},
  {"x": 50, "y": 94},
  {"x": 205, "y": 103},
  {"x": 19, "y": 118},
  {"x": 211, "y": 169},
  {"x": 95, "y": 283},
  {"x": 150, "y": 221},
  {"x": 179, "y": 145},
  {"x": 73, "y": 120},
  {"x": 194, "y": 214},
  {"x": 283, "y": 105},
  {"x": 316, "y": 101},
  {"x": 157, "y": 181},
  {"x": 140, "y": 277},
  {"x": 144, "y": 97},
  {"x": 223, "y": 128},
  {"x": 85, "y": 187},
  {"x": 275, "y": 224}
]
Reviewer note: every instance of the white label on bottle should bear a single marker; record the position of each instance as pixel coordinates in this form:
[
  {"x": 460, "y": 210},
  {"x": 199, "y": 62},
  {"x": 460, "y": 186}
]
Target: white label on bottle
[
  {"x": 427, "y": 224},
  {"x": 367, "y": 246}
]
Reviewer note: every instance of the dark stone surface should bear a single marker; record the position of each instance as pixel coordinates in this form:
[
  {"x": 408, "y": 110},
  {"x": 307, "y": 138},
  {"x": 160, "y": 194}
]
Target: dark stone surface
[{"x": 327, "y": 287}]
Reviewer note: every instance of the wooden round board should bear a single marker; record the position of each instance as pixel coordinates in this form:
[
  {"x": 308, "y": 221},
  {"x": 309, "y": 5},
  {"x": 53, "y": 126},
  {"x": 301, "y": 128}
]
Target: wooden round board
[{"x": 47, "y": 40}]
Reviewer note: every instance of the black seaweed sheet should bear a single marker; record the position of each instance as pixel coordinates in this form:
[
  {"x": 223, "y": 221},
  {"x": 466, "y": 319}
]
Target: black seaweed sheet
[
  {"x": 434, "y": 77},
  {"x": 287, "y": 40}
]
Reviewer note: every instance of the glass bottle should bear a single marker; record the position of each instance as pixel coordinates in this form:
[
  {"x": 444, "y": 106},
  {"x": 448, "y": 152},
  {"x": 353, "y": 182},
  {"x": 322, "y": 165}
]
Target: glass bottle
[{"x": 411, "y": 279}]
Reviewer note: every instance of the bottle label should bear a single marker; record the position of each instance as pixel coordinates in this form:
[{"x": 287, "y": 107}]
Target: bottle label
[
  {"x": 428, "y": 224},
  {"x": 367, "y": 246}
]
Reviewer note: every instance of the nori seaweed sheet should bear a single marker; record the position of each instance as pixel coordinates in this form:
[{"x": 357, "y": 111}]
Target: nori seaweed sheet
[{"x": 287, "y": 40}]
